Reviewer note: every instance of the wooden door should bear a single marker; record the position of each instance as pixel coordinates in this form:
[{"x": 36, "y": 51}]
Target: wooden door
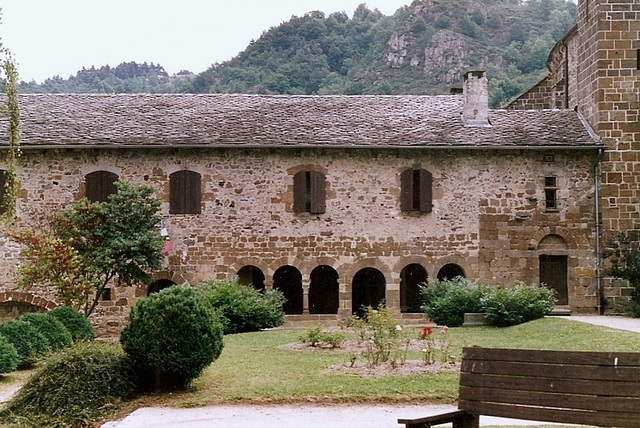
[{"x": 553, "y": 274}]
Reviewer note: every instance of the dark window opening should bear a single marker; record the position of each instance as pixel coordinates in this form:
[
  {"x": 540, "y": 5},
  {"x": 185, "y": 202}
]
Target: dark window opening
[
  {"x": 638, "y": 59},
  {"x": 251, "y": 276},
  {"x": 309, "y": 193},
  {"x": 159, "y": 285},
  {"x": 288, "y": 280},
  {"x": 369, "y": 288},
  {"x": 550, "y": 193},
  {"x": 411, "y": 278},
  {"x": 450, "y": 271},
  {"x": 324, "y": 291},
  {"x": 416, "y": 190},
  {"x": 99, "y": 185},
  {"x": 105, "y": 294},
  {"x": 184, "y": 192}
]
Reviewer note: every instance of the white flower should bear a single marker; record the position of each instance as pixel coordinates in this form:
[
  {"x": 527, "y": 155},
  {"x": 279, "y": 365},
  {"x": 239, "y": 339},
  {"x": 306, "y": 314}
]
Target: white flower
[{"x": 398, "y": 327}]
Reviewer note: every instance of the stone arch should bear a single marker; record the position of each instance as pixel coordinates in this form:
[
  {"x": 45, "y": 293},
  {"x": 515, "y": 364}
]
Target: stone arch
[
  {"x": 368, "y": 289},
  {"x": 552, "y": 242},
  {"x": 252, "y": 276},
  {"x": 159, "y": 285},
  {"x": 324, "y": 293},
  {"x": 411, "y": 277},
  {"x": 14, "y": 304},
  {"x": 450, "y": 271},
  {"x": 288, "y": 280},
  {"x": 560, "y": 232}
]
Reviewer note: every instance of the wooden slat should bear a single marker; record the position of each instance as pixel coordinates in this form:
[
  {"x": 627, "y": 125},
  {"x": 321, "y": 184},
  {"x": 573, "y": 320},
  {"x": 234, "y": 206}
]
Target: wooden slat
[
  {"x": 552, "y": 415},
  {"x": 552, "y": 400},
  {"x": 570, "y": 386},
  {"x": 631, "y": 359},
  {"x": 567, "y": 371}
]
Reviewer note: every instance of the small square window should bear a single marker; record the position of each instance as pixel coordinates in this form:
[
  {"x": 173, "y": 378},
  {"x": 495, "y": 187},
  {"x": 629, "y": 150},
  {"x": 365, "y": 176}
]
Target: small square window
[
  {"x": 549, "y": 182},
  {"x": 550, "y": 193},
  {"x": 105, "y": 294}
]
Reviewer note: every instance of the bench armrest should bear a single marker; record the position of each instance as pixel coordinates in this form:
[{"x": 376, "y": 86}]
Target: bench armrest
[{"x": 459, "y": 418}]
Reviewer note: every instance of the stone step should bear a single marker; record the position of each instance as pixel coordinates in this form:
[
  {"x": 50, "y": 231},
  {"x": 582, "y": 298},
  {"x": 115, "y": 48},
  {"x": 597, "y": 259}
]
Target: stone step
[{"x": 561, "y": 311}]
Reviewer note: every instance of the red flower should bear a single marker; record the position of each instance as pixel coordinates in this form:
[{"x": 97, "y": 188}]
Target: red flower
[{"x": 426, "y": 332}]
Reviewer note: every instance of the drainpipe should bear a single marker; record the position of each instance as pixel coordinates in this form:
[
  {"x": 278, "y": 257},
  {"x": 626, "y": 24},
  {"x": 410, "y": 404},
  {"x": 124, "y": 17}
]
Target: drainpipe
[{"x": 596, "y": 173}]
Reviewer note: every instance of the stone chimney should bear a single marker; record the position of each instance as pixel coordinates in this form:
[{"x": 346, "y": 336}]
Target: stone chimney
[{"x": 475, "y": 90}]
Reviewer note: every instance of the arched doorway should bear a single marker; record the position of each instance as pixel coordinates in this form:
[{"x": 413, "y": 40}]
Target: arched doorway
[
  {"x": 369, "y": 288},
  {"x": 157, "y": 286},
  {"x": 411, "y": 277},
  {"x": 450, "y": 271},
  {"x": 324, "y": 291},
  {"x": 553, "y": 266},
  {"x": 288, "y": 280},
  {"x": 252, "y": 276}
]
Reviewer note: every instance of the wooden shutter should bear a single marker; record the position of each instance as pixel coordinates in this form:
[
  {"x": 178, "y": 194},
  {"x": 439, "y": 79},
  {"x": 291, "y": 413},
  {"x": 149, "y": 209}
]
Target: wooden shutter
[
  {"x": 406, "y": 190},
  {"x": 318, "y": 195},
  {"x": 426, "y": 184},
  {"x": 185, "y": 192},
  {"x": 99, "y": 185},
  {"x": 300, "y": 192}
]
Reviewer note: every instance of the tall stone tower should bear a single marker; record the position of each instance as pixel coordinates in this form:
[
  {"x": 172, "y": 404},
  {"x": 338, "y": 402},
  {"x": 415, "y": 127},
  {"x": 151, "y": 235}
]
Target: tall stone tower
[{"x": 607, "y": 93}]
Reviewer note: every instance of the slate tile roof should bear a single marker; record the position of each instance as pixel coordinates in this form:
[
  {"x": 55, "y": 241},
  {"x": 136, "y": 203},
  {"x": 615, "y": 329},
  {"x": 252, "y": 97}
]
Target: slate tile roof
[{"x": 214, "y": 120}]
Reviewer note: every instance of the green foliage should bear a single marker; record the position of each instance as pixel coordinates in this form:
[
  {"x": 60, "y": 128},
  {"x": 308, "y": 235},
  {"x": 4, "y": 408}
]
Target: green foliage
[
  {"x": 623, "y": 256},
  {"x": 9, "y": 358},
  {"x": 76, "y": 323},
  {"x": 445, "y": 302},
  {"x": 94, "y": 243},
  {"x": 244, "y": 308},
  {"x": 51, "y": 328},
  {"x": 523, "y": 303},
  {"x": 27, "y": 341},
  {"x": 316, "y": 337},
  {"x": 382, "y": 335},
  {"x": 74, "y": 388},
  {"x": 171, "y": 337}
]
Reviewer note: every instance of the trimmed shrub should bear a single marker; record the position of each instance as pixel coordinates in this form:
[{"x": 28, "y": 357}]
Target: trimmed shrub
[
  {"x": 51, "y": 328},
  {"x": 74, "y": 388},
  {"x": 171, "y": 337},
  {"x": 28, "y": 342},
  {"x": 8, "y": 356},
  {"x": 521, "y": 304},
  {"x": 445, "y": 302},
  {"x": 77, "y": 324},
  {"x": 244, "y": 308}
]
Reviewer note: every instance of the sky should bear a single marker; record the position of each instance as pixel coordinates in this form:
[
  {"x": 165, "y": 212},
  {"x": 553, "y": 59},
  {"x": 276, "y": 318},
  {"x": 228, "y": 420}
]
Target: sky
[{"x": 59, "y": 37}]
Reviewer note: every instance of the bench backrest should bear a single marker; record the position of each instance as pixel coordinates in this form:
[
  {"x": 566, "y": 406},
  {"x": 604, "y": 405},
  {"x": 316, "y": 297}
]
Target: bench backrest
[{"x": 590, "y": 388}]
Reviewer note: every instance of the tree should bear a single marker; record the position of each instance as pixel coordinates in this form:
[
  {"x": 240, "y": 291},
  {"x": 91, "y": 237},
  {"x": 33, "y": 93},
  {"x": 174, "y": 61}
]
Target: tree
[
  {"x": 94, "y": 243},
  {"x": 623, "y": 255}
]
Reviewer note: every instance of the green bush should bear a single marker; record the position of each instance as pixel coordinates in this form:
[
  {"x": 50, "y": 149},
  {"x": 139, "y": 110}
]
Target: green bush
[
  {"x": 507, "y": 307},
  {"x": 77, "y": 324},
  {"x": 315, "y": 336},
  {"x": 28, "y": 342},
  {"x": 171, "y": 337},
  {"x": 446, "y": 301},
  {"x": 8, "y": 356},
  {"x": 244, "y": 308},
  {"x": 51, "y": 328},
  {"x": 74, "y": 388}
]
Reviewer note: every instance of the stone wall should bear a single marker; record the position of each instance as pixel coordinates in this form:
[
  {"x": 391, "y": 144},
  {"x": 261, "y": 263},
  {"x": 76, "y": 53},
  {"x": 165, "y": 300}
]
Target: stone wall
[{"x": 488, "y": 216}]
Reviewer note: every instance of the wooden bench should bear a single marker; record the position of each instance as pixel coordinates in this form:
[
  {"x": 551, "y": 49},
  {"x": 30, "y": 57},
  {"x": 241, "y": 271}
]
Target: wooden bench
[{"x": 585, "y": 388}]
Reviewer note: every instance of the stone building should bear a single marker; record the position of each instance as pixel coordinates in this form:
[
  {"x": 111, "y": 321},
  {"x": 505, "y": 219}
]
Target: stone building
[
  {"x": 595, "y": 69},
  {"x": 338, "y": 201}
]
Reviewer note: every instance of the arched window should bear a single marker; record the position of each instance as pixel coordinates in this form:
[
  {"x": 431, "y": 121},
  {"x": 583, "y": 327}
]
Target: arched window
[
  {"x": 251, "y": 276},
  {"x": 309, "y": 192},
  {"x": 411, "y": 277},
  {"x": 416, "y": 194},
  {"x": 159, "y": 285},
  {"x": 184, "y": 192},
  {"x": 288, "y": 280},
  {"x": 324, "y": 291},
  {"x": 369, "y": 287},
  {"x": 450, "y": 271},
  {"x": 99, "y": 185}
]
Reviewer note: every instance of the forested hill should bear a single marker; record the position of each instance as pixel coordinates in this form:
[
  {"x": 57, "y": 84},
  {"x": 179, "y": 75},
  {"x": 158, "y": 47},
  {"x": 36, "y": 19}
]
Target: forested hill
[{"x": 423, "y": 48}]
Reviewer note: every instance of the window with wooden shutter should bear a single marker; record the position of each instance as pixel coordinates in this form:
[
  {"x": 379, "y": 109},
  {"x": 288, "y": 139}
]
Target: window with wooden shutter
[
  {"x": 3, "y": 189},
  {"x": 309, "y": 192},
  {"x": 416, "y": 190},
  {"x": 185, "y": 192},
  {"x": 99, "y": 185}
]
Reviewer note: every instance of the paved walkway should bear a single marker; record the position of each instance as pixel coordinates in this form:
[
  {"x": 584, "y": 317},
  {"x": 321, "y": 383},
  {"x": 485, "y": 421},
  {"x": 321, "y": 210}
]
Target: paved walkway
[{"x": 310, "y": 416}]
